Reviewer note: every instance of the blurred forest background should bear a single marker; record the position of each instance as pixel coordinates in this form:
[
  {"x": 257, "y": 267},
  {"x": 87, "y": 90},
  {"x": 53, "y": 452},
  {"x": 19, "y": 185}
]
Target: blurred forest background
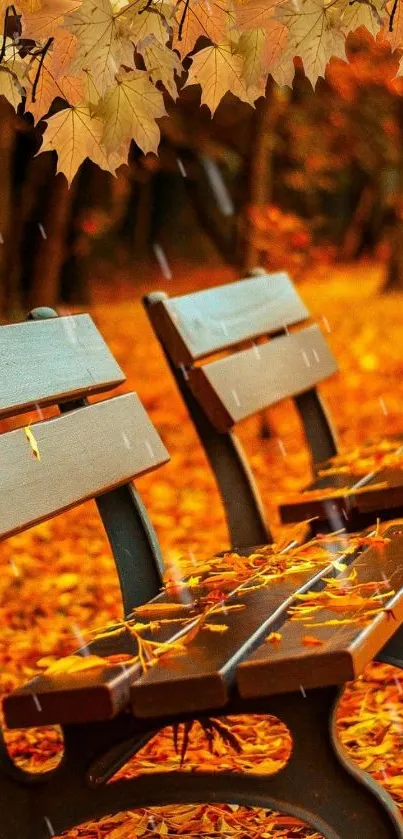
[{"x": 308, "y": 177}]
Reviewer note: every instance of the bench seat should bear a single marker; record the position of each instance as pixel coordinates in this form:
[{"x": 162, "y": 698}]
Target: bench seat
[
  {"x": 233, "y": 654},
  {"x": 354, "y": 500}
]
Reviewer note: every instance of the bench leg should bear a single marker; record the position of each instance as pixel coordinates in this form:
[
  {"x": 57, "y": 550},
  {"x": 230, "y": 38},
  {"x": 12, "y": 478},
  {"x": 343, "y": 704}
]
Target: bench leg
[
  {"x": 318, "y": 784},
  {"x": 392, "y": 652}
]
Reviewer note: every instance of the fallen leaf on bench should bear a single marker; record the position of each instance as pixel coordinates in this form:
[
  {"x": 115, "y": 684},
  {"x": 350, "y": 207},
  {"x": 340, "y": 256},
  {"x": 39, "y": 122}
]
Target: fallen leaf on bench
[
  {"x": 74, "y": 664},
  {"x": 216, "y": 627},
  {"x": 273, "y": 638},
  {"x": 32, "y": 442},
  {"x": 311, "y": 641},
  {"x": 362, "y": 620},
  {"x": 160, "y": 610}
]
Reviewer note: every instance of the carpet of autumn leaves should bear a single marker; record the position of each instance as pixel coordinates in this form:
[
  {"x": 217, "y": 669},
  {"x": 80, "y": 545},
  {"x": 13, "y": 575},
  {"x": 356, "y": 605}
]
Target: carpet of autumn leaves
[{"x": 58, "y": 581}]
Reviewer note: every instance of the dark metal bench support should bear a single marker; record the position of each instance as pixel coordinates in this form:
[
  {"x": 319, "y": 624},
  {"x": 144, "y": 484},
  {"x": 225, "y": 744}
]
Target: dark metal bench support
[
  {"x": 318, "y": 784},
  {"x": 134, "y": 543},
  {"x": 243, "y": 506}
]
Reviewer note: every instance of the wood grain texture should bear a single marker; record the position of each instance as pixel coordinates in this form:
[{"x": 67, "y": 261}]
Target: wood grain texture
[
  {"x": 232, "y": 388},
  {"x": 195, "y": 325},
  {"x": 53, "y": 360},
  {"x": 345, "y": 649},
  {"x": 82, "y": 454}
]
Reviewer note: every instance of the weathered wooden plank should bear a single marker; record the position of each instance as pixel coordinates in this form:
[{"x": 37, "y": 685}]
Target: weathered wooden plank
[
  {"x": 241, "y": 384},
  {"x": 202, "y": 678},
  {"x": 106, "y": 692},
  {"x": 195, "y": 325},
  {"x": 91, "y": 695},
  {"x": 53, "y": 360},
  {"x": 345, "y": 649},
  {"x": 378, "y": 492},
  {"x": 82, "y": 454}
]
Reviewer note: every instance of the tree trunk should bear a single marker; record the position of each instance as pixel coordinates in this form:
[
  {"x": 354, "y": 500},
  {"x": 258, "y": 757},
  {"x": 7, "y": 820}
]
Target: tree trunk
[
  {"x": 394, "y": 279},
  {"x": 7, "y": 143},
  {"x": 51, "y": 248},
  {"x": 260, "y": 190}
]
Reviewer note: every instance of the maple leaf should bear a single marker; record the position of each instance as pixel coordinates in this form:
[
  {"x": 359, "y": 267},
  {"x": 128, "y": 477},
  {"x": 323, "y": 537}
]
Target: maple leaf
[
  {"x": 156, "y": 22},
  {"x": 315, "y": 34},
  {"x": 255, "y": 14},
  {"x": 161, "y": 62},
  {"x": 395, "y": 23},
  {"x": 62, "y": 53},
  {"x": 103, "y": 44},
  {"x": 361, "y": 13},
  {"x": 10, "y": 84},
  {"x": 250, "y": 46},
  {"x": 30, "y": 6},
  {"x": 201, "y": 18},
  {"x": 218, "y": 70},
  {"x": 42, "y": 24},
  {"x": 75, "y": 134},
  {"x": 49, "y": 83},
  {"x": 129, "y": 110}
]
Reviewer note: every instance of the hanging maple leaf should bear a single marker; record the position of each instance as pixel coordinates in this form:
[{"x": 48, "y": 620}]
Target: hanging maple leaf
[
  {"x": 11, "y": 76},
  {"x": 129, "y": 110},
  {"x": 103, "y": 44},
  {"x": 83, "y": 51},
  {"x": 218, "y": 70},
  {"x": 201, "y": 18},
  {"x": 146, "y": 20},
  {"x": 75, "y": 134},
  {"x": 314, "y": 34},
  {"x": 48, "y": 81},
  {"x": 43, "y": 22},
  {"x": 161, "y": 62}
]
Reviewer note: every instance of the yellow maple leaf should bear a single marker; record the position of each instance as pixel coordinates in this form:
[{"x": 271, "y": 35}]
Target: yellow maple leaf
[
  {"x": 32, "y": 442},
  {"x": 129, "y": 110},
  {"x": 218, "y": 69},
  {"x": 75, "y": 134}
]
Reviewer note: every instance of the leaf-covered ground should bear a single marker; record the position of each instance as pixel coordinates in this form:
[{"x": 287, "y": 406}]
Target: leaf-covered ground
[{"x": 58, "y": 582}]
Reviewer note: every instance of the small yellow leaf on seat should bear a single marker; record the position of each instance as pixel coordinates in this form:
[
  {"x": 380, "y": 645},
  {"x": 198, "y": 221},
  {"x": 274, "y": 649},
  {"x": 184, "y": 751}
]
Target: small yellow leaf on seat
[
  {"x": 216, "y": 627},
  {"x": 74, "y": 664},
  {"x": 274, "y": 637},
  {"x": 32, "y": 442}
]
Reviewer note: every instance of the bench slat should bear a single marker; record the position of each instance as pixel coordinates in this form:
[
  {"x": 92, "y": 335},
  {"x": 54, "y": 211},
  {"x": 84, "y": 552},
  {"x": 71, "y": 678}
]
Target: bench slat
[
  {"x": 371, "y": 498},
  {"x": 232, "y": 388},
  {"x": 345, "y": 649},
  {"x": 73, "y": 698},
  {"x": 53, "y": 360},
  {"x": 195, "y": 325},
  {"x": 82, "y": 454}
]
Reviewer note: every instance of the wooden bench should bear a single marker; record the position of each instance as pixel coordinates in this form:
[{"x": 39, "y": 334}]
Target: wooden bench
[
  {"x": 108, "y": 712},
  {"x": 249, "y": 377}
]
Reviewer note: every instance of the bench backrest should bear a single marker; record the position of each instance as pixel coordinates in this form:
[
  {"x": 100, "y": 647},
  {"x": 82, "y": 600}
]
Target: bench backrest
[
  {"x": 86, "y": 451},
  {"x": 246, "y": 378}
]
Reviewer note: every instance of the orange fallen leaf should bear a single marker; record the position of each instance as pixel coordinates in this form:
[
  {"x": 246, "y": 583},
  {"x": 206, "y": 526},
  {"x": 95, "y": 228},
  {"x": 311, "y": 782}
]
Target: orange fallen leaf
[
  {"x": 274, "y": 637},
  {"x": 153, "y": 611},
  {"x": 311, "y": 641}
]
